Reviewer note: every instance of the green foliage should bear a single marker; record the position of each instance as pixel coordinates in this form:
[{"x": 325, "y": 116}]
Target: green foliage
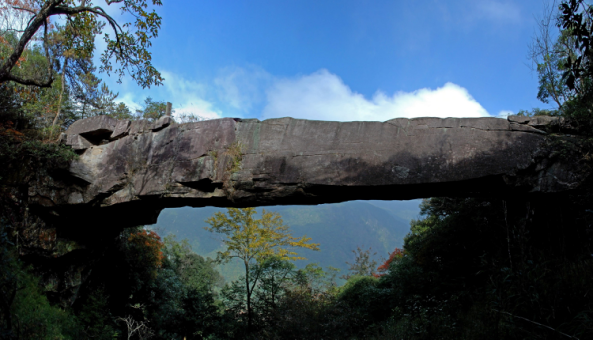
[
  {"x": 478, "y": 268},
  {"x": 563, "y": 63},
  {"x": 127, "y": 45},
  {"x": 576, "y": 22},
  {"x": 338, "y": 228},
  {"x": 153, "y": 110},
  {"x": 361, "y": 294},
  {"x": 25, "y": 312},
  {"x": 173, "y": 294},
  {"x": 273, "y": 278},
  {"x": 235, "y": 152},
  {"x": 181, "y": 300},
  {"x": 19, "y": 157},
  {"x": 122, "y": 111},
  {"x": 34, "y": 317},
  {"x": 95, "y": 318},
  {"x": 255, "y": 241},
  {"x": 288, "y": 303},
  {"x": 192, "y": 269},
  {"x": 71, "y": 89},
  {"x": 537, "y": 112},
  {"x": 315, "y": 279}
]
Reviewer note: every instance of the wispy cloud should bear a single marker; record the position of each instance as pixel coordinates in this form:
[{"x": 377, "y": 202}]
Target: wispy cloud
[
  {"x": 189, "y": 96},
  {"x": 500, "y": 11},
  {"x": 324, "y": 96},
  {"x": 242, "y": 87},
  {"x": 504, "y": 114}
]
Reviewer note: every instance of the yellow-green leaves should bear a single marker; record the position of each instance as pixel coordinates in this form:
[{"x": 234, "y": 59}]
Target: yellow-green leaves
[{"x": 252, "y": 239}]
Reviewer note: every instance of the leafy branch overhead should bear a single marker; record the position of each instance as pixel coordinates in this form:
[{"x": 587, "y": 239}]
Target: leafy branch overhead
[
  {"x": 577, "y": 18},
  {"x": 127, "y": 43}
]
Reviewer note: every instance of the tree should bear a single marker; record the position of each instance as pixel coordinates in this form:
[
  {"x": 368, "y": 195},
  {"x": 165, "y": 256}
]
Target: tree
[
  {"x": 254, "y": 241},
  {"x": 270, "y": 280},
  {"x": 273, "y": 274},
  {"x": 146, "y": 251},
  {"x": 363, "y": 264},
  {"x": 548, "y": 51},
  {"x": 316, "y": 280},
  {"x": 562, "y": 60},
  {"x": 153, "y": 110},
  {"x": 121, "y": 111},
  {"x": 128, "y": 46},
  {"x": 577, "y": 19},
  {"x": 193, "y": 270},
  {"x": 77, "y": 69},
  {"x": 180, "y": 302},
  {"x": 396, "y": 255},
  {"x": 139, "y": 328}
]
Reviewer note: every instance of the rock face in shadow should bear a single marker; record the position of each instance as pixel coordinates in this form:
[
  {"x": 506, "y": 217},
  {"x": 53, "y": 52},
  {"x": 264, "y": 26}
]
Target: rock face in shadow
[{"x": 129, "y": 171}]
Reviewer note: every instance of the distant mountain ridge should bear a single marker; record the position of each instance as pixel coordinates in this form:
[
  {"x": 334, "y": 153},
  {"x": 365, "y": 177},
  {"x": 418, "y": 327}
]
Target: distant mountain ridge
[{"x": 338, "y": 228}]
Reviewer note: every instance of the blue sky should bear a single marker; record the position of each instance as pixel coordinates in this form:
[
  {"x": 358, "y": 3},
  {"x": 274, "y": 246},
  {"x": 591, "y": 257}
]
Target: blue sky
[{"x": 343, "y": 60}]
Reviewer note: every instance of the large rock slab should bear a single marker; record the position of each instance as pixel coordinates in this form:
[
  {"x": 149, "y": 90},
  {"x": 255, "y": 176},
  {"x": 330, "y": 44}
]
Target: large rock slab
[
  {"x": 98, "y": 125},
  {"x": 141, "y": 168}
]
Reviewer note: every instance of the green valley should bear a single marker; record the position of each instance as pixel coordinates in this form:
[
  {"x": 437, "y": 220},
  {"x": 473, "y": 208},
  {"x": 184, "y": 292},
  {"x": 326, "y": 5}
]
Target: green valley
[{"x": 339, "y": 228}]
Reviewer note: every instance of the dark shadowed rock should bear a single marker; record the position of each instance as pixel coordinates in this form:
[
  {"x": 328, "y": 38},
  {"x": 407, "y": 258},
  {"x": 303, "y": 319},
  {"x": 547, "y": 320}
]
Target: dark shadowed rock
[
  {"x": 231, "y": 162},
  {"x": 161, "y": 123},
  {"x": 77, "y": 142},
  {"x": 519, "y": 119}
]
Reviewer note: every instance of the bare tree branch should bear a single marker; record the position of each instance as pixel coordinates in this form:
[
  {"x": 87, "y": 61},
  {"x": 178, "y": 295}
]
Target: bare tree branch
[
  {"x": 25, "y": 9},
  {"x": 536, "y": 323},
  {"x": 15, "y": 30}
]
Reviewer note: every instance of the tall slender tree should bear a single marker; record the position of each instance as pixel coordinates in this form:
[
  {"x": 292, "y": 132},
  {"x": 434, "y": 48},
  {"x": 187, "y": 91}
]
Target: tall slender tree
[{"x": 254, "y": 241}]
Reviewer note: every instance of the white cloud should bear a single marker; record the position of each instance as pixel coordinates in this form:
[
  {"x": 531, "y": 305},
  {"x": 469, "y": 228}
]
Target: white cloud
[
  {"x": 324, "y": 96},
  {"x": 201, "y": 111},
  {"x": 317, "y": 96},
  {"x": 187, "y": 97}
]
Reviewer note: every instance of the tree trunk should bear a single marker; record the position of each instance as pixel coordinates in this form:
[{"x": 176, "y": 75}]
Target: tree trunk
[
  {"x": 60, "y": 100},
  {"x": 273, "y": 293},
  {"x": 248, "y": 297}
]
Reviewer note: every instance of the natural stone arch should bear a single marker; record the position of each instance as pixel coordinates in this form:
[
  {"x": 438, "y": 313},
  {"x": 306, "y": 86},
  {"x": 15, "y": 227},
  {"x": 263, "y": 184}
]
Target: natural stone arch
[{"x": 129, "y": 171}]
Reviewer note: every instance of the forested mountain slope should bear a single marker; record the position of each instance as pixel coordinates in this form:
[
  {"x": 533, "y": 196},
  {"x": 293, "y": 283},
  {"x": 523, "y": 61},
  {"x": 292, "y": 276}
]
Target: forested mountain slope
[{"x": 338, "y": 228}]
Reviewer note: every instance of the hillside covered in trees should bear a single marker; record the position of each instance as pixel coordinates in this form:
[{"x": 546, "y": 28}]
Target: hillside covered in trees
[
  {"x": 468, "y": 268},
  {"x": 339, "y": 228}
]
